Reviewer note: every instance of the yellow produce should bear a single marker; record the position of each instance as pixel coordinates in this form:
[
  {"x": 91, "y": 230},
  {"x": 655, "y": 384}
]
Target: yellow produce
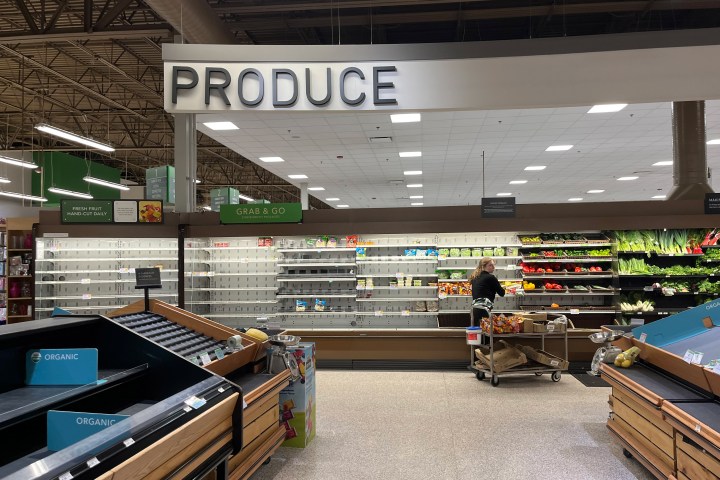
[
  {"x": 619, "y": 359},
  {"x": 257, "y": 334},
  {"x": 626, "y": 364},
  {"x": 627, "y": 358}
]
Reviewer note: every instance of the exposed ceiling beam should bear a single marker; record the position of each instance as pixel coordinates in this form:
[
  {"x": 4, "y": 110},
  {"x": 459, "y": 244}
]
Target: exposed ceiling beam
[
  {"x": 242, "y": 9},
  {"x": 105, "y": 21},
  {"x": 28, "y": 16},
  {"x": 71, "y": 34}
]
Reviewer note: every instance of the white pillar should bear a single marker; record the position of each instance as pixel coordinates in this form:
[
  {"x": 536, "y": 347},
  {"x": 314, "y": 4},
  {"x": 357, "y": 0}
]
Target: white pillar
[
  {"x": 185, "y": 162},
  {"x": 304, "y": 200}
]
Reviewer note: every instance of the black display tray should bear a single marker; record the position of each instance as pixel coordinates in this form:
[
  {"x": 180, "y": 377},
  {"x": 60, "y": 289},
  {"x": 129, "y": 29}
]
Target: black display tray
[
  {"x": 661, "y": 384},
  {"x": 707, "y": 413}
]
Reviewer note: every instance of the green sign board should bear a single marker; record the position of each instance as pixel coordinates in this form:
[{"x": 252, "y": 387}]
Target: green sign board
[
  {"x": 86, "y": 211},
  {"x": 261, "y": 213},
  {"x": 160, "y": 184}
]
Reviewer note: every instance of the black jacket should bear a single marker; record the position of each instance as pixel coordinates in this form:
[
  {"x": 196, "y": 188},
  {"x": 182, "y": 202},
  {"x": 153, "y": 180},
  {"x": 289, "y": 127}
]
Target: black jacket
[{"x": 486, "y": 286}]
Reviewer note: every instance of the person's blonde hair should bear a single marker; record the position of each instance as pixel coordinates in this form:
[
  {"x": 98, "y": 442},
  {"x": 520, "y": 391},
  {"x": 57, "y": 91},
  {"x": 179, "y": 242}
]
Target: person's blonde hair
[{"x": 484, "y": 261}]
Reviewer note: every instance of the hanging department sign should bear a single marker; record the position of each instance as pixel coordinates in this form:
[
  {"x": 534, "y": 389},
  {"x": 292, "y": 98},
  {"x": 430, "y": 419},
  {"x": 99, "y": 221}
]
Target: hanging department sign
[{"x": 261, "y": 213}]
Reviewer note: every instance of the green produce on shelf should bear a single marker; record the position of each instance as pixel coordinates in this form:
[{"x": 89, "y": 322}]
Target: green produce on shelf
[
  {"x": 706, "y": 286},
  {"x": 676, "y": 242}
]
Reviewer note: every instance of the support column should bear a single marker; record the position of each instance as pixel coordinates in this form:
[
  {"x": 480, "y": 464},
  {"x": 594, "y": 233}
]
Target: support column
[
  {"x": 185, "y": 162},
  {"x": 690, "y": 172},
  {"x": 304, "y": 199}
]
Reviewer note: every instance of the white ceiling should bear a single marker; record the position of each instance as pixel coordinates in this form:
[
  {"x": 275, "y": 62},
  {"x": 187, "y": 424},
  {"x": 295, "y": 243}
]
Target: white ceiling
[{"x": 606, "y": 146}]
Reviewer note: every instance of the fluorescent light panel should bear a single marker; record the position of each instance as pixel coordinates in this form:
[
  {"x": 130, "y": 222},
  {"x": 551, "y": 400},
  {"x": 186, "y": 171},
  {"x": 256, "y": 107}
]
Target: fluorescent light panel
[
  {"x": 608, "y": 108},
  {"x": 660, "y": 197},
  {"x": 595, "y": 191},
  {"x": 23, "y": 196},
  {"x": 558, "y": 148},
  {"x": 536, "y": 167},
  {"x": 412, "y": 172},
  {"x": 58, "y": 132},
  {"x": 504, "y": 194},
  {"x": 105, "y": 183},
  {"x": 221, "y": 126},
  {"x": 626, "y": 179},
  {"x": 410, "y": 154},
  {"x": 332, "y": 199},
  {"x": 206, "y": 208},
  {"x": 343, "y": 206},
  {"x": 517, "y": 182},
  {"x": 246, "y": 198},
  {"x": 664, "y": 163},
  {"x": 416, "y": 204},
  {"x": 70, "y": 193},
  {"x": 271, "y": 159},
  {"x": 16, "y": 162},
  {"x": 405, "y": 117},
  {"x": 316, "y": 189},
  {"x": 415, "y": 185},
  {"x": 575, "y": 199},
  {"x": 415, "y": 197},
  {"x": 5, "y": 180},
  {"x": 298, "y": 176},
  {"x": 714, "y": 142}
]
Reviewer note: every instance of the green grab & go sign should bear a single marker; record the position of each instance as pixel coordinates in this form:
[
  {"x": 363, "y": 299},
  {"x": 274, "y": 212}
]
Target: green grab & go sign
[
  {"x": 86, "y": 211},
  {"x": 261, "y": 213}
]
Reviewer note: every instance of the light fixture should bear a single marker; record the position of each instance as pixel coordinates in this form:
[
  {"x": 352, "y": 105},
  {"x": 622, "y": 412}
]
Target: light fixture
[
  {"x": 105, "y": 183},
  {"x": 343, "y": 206},
  {"x": 415, "y": 197},
  {"x": 714, "y": 142},
  {"x": 607, "y": 108},
  {"x": 536, "y": 167},
  {"x": 664, "y": 163},
  {"x": 316, "y": 189},
  {"x": 271, "y": 159},
  {"x": 332, "y": 199},
  {"x": 23, "y": 196},
  {"x": 298, "y": 176},
  {"x": 659, "y": 197},
  {"x": 412, "y": 172},
  {"x": 558, "y": 148},
  {"x": 517, "y": 182},
  {"x": 70, "y": 193},
  {"x": 44, "y": 127},
  {"x": 415, "y": 185},
  {"x": 16, "y": 162},
  {"x": 197, "y": 180},
  {"x": 206, "y": 208},
  {"x": 221, "y": 126},
  {"x": 405, "y": 117},
  {"x": 504, "y": 194},
  {"x": 245, "y": 197},
  {"x": 595, "y": 191},
  {"x": 5, "y": 180},
  {"x": 416, "y": 204},
  {"x": 410, "y": 154},
  {"x": 575, "y": 199},
  {"x": 625, "y": 179}
]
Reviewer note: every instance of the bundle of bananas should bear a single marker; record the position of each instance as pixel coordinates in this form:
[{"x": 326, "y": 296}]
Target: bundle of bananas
[{"x": 627, "y": 358}]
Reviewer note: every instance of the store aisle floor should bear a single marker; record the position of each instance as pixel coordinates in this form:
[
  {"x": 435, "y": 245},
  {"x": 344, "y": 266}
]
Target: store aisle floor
[{"x": 447, "y": 425}]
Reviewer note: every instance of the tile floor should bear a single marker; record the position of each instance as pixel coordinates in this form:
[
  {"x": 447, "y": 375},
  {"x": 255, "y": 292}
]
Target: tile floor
[{"x": 448, "y": 425}]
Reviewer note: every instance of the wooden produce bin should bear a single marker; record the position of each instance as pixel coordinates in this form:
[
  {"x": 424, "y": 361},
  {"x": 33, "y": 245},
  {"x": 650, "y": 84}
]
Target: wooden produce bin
[
  {"x": 696, "y": 438},
  {"x": 262, "y": 432}
]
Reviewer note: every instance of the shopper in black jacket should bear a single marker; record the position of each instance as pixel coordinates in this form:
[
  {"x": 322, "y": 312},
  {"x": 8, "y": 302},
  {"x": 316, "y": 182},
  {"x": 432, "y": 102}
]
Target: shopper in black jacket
[{"x": 485, "y": 285}]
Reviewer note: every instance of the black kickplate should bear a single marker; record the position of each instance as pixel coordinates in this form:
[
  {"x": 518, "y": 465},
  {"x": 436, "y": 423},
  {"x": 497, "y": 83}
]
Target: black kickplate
[{"x": 590, "y": 380}]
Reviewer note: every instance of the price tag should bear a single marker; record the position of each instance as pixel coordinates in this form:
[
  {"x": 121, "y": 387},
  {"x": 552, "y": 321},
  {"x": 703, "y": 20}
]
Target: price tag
[
  {"x": 550, "y": 327},
  {"x": 85, "y": 280},
  {"x": 131, "y": 270},
  {"x": 574, "y": 311},
  {"x": 187, "y": 409},
  {"x": 643, "y": 337},
  {"x": 442, "y": 257},
  {"x": 442, "y": 296},
  {"x": 360, "y": 287},
  {"x": 205, "y": 358},
  {"x": 698, "y": 428},
  {"x": 716, "y": 368},
  {"x": 512, "y": 267},
  {"x": 123, "y": 270},
  {"x": 128, "y": 442},
  {"x": 66, "y": 476},
  {"x": 369, "y": 287},
  {"x": 221, "y": 389},
  {"x": 697, "y": 358},
  {"x": 195, "y": 360},
  {"x": 219, "y": 353},
  {"x": 648, "y": 289},
  {"x": 688, "y": 356},
  {"x": 92, "y": 462},
  {"x": 86, "y": 296},
  {"x": 405, "y": 313},
  {"x": 379, "y": 313},
  {"x": 195, "y": 402},
  {"x": 244, "y": 404},
  {"x": 210, "y": 274}
]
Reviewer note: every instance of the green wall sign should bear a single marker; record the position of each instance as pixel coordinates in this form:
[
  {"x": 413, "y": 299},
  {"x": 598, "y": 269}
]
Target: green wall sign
[
  {"x": 261, "y": 213},
  {"x": 86, "y": 211}
]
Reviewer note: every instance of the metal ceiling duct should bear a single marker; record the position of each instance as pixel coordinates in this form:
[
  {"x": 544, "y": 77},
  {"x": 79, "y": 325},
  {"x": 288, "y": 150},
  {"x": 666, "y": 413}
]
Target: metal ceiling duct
[
  {"x": 690, "y": 172},
  {"x": 195, "y": 20}
]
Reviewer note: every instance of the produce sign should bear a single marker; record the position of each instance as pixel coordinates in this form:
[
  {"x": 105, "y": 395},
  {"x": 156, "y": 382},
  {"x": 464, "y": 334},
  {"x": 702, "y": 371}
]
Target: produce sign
[
  {"x": 498, "y": 207},
  {"x": 111, "y": 211},
  {"x": 261, "y": 213}
]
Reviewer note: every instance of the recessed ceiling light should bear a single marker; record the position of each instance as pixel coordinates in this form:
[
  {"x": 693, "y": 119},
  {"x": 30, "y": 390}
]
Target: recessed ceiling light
[
  {"x": 271, "y": 159},
  {"x": 624, "y": 179},
  {"x": 298, "y": 176},
  {"x": 595, "y": 191},
  {"x": 575, "y": 199},
  {"x": 416, "y": 204},
  {"x": 608, "y": 108},
  {"x": 517, "y": 182},
  {"x": 504, "y": 194},
  {"x": 714, "y": 142},
  {"x": 412, "y": 172},
  {"x": 415, "y": 185},
  {"x": 332, "y": 199},
  {"x": 221, "y": 126},
  {"x": 536, "y": 167},
  {"x": 558, "y": 148},
  {"x": 316, "y": 189},
  {"x": 415, "y": 197},
  {"x": 660, "y": 197},
  {"x": 343, "y": 206},
  {"x": 410, "y": 154},
  {"x": 405, "y": 117},
  {"x": 664, "y": 163}
]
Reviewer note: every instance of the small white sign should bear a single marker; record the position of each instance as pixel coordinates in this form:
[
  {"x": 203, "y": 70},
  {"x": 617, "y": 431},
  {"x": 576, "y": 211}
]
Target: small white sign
[
  {"x": 379, "y": 313},
  {"x": 244, "y": 404},
  {"x": 123, "y": 270},
  {"x": 92, "y": 462},
  {"x": 698, "y": 428},
  {"x": 688, "y": 356},
  {"x": 131, "y": 270},
  {"x": 195, "y": 402},
  {"x": 643, "y": 337},
  {"x": 86, "y": 296},
  {"x": 442, "y": 296},
  {"x": 125, "y": 211},
  {"x": 85, "y": 280},
  {"x": 716, "y": 367},
  {"x": 405, "y": 313},
  {"x": 205, "y": 358},
  {"x": 128, "y": 442},
  {"x": 442, "y": 257},
  {"x": 66, "y": 476},
  {"x": 210, "y": 274},
  {"x": 697, "y": 358},
  {"x": 244, "y": 260},
  {"x": 574, "y": 311}
]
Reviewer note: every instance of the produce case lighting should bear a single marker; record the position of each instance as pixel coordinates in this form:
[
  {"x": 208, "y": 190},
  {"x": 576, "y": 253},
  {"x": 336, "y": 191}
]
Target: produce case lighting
[
  {"x": 504, "y": 194},
  {"x": 70, "y": 193},
  {"x": 23, "y": 196},
  {"x": 58, "y": 132},
  {"x": 607, "y": 108},
  {"x": 105, "y": 183},
  {"x": 715, "y": 141},
  {"x": 627, "y": 179},
  {"x": 410, "y": 154},
  {"x": 16, "y": 162},
  {"x": 518, "y": 182}
]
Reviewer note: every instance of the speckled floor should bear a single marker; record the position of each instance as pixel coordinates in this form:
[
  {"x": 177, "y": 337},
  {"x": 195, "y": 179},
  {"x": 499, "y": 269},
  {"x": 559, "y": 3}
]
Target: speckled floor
[{"x": 447, "y": 425}]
